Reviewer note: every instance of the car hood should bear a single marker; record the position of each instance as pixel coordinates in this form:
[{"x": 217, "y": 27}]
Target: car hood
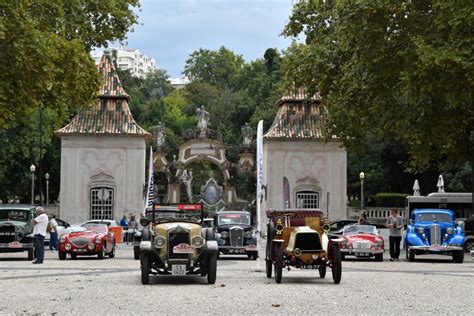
[
  {"x": 361, "y": 237},
  {"x": 226, "y": 227},
  {"x": 86, "y": 234},
  {"x": 162, "y": 229}
]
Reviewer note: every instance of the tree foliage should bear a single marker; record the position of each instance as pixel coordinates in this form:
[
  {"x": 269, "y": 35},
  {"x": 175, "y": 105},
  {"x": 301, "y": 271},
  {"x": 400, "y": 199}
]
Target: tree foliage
[
  {"x": 402, "y": 69},
  {"x": 44, "y": 52}
]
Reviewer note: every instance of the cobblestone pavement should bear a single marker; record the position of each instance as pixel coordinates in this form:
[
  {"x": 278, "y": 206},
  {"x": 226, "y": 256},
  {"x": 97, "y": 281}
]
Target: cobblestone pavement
[{"x": 89, "y": 286}]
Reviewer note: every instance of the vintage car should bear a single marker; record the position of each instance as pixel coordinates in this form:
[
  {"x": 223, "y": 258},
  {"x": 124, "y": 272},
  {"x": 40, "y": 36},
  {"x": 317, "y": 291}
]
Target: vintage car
[
  {"x": 433, "y": 231},
  {"x": 16, "y": 230},
  {"x": 362, "y": 241},
  {"x": 95, "y": 240},
  {"x": 298, "y": 238},
  {"x": 173, "y": 242},
  {"x": 234, "y": 234}
]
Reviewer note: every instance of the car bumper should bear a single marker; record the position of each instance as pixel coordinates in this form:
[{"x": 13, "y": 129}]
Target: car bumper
[
  {"x": 435, "y": 249},
  {"x": 362, "y": 252},
  {"x": 19, "y": 246},
  {"x": 237, "y": 250}
]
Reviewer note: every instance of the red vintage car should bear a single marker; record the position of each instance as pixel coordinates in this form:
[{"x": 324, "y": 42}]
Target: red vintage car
[
  {"x": 96, "y": 240},
  {"x": 362, "y": 241}
]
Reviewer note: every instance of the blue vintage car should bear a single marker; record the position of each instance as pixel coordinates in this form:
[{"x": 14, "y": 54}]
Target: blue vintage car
[{"x": 433, "y": 231}]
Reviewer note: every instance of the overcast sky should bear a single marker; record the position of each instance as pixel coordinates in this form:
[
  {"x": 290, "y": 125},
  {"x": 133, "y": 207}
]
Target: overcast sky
[{"x": 170, "y": 30}]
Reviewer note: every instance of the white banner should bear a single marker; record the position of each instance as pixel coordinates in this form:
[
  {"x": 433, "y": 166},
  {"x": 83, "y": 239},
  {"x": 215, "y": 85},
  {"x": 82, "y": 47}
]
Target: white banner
[
  {"x": 150, "y": 188},
  {"x": 260, "y": 184}
]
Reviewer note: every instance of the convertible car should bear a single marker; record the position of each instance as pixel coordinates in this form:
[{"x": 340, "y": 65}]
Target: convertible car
[
  {"x": 96, "y": 240},
  {"x": 362, "y": 241}
]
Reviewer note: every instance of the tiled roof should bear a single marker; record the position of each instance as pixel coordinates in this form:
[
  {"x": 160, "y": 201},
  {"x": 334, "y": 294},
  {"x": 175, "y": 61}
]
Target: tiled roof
[
  {"x": 298, "y": 117},
  {"x": 110, "y": 114}
]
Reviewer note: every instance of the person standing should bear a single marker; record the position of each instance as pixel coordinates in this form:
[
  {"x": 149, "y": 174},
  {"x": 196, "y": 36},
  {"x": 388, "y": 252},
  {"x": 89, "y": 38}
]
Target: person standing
[
  {"x": 362, "y": 219},
  {"x": 40, "y": 224},
  {"x": 394, "y": 225},
  {"x": 53, "y": 233},
  {"x": 132, "y": 226},
  {"x": 124, "y": 224}
]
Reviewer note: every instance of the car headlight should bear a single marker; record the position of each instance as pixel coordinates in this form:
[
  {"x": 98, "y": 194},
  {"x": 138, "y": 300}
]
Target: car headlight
[
  {"x": 159, "y": 241},
  {"x": 248, "y": 234},
  {"x": 343, "y": 243},
  {"x": 449, "y": 231},
  {"x": 421, "y": 230},
  {"x": 197, "y": 242},
  {"x": 97, "y": 240},
  {"x": 68, "y": 246},
  {"x": 378, "y": 243},
  {"x": 62, "y": 239},
  {"x": 224, "y": 234},
  {"x": 91, "y": 246}
]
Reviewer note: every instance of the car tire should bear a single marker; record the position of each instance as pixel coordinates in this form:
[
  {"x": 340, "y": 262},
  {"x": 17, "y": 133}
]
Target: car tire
[
  {"x": 343, "y": 256},
  {"x": 458, "y": 256},
  {"x": 211, "y": 268},
  {"x": 336, "y": 264},
  {"x": 145, "y": 268},
  {"x": 102, "y": 253},
  {"x": 136, "y": 252},
  {"x": 322, "y": 270},
  {"x": 112, "y": 253},
  {"x": 278, "y": 265},
  {"x": 268, "y": 268},
  {"x": 62, "y": 255},
  {"x": 31, "y": 254},
  {"x": 73, "y": 256},
  {"x": 411, "y": 255},
  {"x": 468, "y": 245},
  {"x": 379, "y": 257},
  {"x": 255, "y": 255}
]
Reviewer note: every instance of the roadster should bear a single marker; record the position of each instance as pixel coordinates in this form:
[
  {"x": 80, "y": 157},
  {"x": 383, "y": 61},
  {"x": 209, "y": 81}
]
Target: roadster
[
  {"x": 362, "y": 241},
  {"x": 96, "y": 240}
]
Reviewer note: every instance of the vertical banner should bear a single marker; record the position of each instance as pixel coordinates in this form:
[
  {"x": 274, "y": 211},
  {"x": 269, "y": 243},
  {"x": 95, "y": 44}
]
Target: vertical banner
[
  {"x": 150, "y": 188},
  {"x": 286, "y": 193},
  {"x": 259, "y": 172}
]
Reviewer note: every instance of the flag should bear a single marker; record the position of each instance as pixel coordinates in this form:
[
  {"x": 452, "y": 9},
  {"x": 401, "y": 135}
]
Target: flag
[
  {"x": 286, "y": 193},
  {"x": 150, "y": 191},
  {"x": 260, "y": 184}
]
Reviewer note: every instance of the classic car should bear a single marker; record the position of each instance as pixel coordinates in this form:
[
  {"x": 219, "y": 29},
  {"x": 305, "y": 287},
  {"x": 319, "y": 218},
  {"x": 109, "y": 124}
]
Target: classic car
[
  {"x": 337, "y": 227},
  {"x": 234, "y": 234},
  {"x": 174, "y": 242},
  {"x": 16, "y": 230},
  {"x": 433, "y": 231},
  {"x": 113, "y": 226},
  {"x": 468, "y": 228},
  {"x": 95, "y": 240},
  {"x": 362, "y": 241},
  {"x": 298, "y": 238},
  {"x": 63, "y": 228}
]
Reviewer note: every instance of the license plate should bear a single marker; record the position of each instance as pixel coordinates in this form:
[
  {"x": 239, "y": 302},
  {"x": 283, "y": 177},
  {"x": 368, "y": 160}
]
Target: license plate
[
  {"x": 362, "y": 254},
  {"x": 178, "y": 269},
  {"x": 310, "y": 266},
  {"x": 236, "y": 250},
  {"x": 79, "y": 250}
]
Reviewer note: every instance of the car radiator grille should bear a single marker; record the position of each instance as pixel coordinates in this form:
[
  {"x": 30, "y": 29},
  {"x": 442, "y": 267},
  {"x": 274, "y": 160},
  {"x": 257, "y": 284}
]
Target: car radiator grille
[
  {"x": 308, "y": 241},
  {"x": 174, "y": 240},
  {"x": 236, "y": 236},
  {"x": 80, "y": 241},
  {"x": 435, "y": 234},
  {"x": 7, "y": 233},
  {"x": 361, "y": 245}
]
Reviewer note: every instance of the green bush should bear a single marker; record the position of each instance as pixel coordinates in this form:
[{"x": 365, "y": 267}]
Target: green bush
[
  {"x": 391, "y": 199},
  {"x": 354, "y": 203}
]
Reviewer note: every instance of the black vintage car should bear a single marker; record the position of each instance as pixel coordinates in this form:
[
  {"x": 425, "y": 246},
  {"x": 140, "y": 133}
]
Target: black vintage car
[
  {"x": 234, "y": 234},
  {"x": 16, "y": 230}
]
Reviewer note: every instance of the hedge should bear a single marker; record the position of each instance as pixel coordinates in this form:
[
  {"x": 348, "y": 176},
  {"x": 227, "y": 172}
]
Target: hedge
[{"x": 391, "y": 199}]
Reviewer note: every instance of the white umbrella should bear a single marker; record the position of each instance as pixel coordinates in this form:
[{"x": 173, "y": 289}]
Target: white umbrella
[
  {"x": 416, "y": 188},
  {"x": 440, "y": 184}
]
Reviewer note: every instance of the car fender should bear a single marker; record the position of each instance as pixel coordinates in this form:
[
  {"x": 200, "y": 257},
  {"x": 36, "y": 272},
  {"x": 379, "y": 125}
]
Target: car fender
[
  {"x": 325, "y": 241},
  {"x": 456, "y": 239},
  {"x": 211, "y": 246},
  {"x": 145, "y": 246},
  {"x": 414, "y": 240}
]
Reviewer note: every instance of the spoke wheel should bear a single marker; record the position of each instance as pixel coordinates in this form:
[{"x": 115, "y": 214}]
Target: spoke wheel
[
  {"x": 102, "y": 252},
  {"x": 469, "y": 245},
  {"x": 145, "y": 268},
  {"x": 336, "y": 264},
  {"x": 279, "y": 265}
]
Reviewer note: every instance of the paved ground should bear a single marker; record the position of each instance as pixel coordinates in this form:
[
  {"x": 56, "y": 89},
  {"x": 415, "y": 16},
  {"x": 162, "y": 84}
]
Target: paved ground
[{"x": 112, "y": 286}]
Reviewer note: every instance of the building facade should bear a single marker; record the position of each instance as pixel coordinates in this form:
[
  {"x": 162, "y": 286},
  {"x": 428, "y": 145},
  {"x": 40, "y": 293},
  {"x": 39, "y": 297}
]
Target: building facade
[
  {"x": 103, "y": 156},
  {"x": 130, "y": 59},
  {"x": 301, "y": 169}
]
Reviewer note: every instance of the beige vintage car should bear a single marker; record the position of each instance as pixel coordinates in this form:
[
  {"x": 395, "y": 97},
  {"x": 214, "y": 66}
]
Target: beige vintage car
[{"x": 174, "y": 242}]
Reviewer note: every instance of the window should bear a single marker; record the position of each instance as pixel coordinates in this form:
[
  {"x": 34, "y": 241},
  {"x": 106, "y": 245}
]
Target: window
[
  {"x": 102, "y": 205},
  {"x": 307, "y": 199}
]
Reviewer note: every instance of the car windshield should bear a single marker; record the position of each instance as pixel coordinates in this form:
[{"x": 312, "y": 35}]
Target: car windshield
[
  {"x": 181, "y": 212},
  {"x": 242, "y": 219},
  {"x": 358, "y": 229},
  {"x": 13, "y": 215},
  {"x": 434, "y": 217},
  {"x": 98, "y": 228}
]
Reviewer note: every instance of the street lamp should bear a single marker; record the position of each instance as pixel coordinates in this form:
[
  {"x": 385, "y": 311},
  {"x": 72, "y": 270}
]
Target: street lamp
[
  {"x": 32, "y": 169},
  {"x": 46, "y": 176},
  {"x": 362, "y": 176}
]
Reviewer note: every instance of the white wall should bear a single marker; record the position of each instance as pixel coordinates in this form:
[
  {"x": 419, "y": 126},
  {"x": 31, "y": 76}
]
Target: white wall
[
  {"x": 119, "y": 159},
  {"x": 299, "y": 160}
]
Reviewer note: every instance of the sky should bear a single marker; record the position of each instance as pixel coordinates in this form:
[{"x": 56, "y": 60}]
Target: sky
[{"x": 170, "y": 30}]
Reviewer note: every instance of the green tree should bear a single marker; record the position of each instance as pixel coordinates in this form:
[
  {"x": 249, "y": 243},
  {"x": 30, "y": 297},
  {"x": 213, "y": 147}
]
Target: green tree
[
  {"x": 402, "y": 69},
  {"x": 44, "y": 52}
]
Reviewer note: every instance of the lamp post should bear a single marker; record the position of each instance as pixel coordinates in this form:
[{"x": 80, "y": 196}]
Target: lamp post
[
  {"x": 32, "y": 169},
  {"x": 362, "y": 202},
  {"x": 46, "y": 176}
]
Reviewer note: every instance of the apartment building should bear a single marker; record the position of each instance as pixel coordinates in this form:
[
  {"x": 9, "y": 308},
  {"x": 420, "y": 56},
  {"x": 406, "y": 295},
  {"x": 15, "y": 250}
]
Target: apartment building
[{"x": 130, "y": 59}]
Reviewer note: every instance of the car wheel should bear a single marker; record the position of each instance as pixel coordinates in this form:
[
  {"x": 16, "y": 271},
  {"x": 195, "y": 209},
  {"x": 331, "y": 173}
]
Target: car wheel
[
  {"x": 31, "y": 254},
  {"x": 458, "y": 256},
  {"x": 211, "y": 268},
  {"x": 62, "y": 255},
  {"x": 322, "y": 270},
  {"x": 255, "y": 255},
  {"x": 268, "y": 268},
  {"x": 469, "y": 245},
  {"x": 379, "y": 257},
  {"x": 102, "y": 253},
  {"x": 278, "y": 265},
  {"x": 411, "y": 255},
  {"x": 112, "y": 253},
  {"x": 145, "y": 268},
  {"x": 343, "y": 256},
  {"x": 136, "y": 252},
  {"x": 73, "y": 256},
  {"x": 336, "y": 264}
]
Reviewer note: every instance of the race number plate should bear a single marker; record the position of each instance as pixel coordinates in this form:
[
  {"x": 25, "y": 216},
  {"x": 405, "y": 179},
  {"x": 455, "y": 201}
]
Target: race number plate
[
  {"x": 178, "y": 269},
  {"x": 183, "y": 248},
  {"x": 236, "y": 250}
]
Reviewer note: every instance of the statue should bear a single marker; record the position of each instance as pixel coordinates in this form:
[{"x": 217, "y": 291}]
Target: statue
[
  {"x": 246, "y": 132},
  {"x": 159, "y": 135},
  {"x": 187, "y": 178},
  {"x": 203, "y": 118}
]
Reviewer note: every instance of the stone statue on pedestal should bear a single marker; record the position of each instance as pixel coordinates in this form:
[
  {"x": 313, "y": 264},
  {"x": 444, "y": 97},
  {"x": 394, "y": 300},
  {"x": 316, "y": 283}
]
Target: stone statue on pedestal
[
  {"x": 203, "y": 118},
  {"x": 187, "y": 178},
  {"x": 246, "y": 133},
  {"x": 159, "y": 136}
]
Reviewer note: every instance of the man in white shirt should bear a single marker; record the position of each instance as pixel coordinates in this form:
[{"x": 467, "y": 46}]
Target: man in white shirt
[{"x": 40, "y": 223}]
